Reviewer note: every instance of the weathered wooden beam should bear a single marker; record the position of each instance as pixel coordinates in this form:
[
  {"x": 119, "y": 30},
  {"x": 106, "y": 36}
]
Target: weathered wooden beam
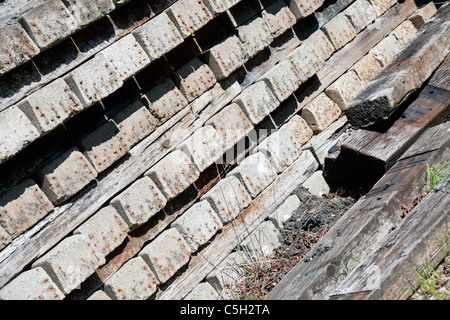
[
  {"x": 405, "y": 75},
  {"x": 329, "y": 10},
  {"x": 441, "y": 77},
  {"x": 340, "y": 62},
  {"x": 372, "y": 152},
  {"x": 388, "y": 272},
  {"x": 361, "y": 228},
  {"x": 203, "y": 262},
  {"x": 321, "y": 143}
]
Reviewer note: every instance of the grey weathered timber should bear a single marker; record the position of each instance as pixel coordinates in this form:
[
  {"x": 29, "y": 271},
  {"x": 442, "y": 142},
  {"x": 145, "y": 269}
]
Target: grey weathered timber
[
  {"x": 441, "y": 76},
  {"x": 431, "y": 107},
  {"x": 361, "y": 228},
  {"x": 387, "y": 273},
  {"x": 404, "y": 75},
  {"x": 233, "y": 233},
  {"x": 321, "y": 143}
]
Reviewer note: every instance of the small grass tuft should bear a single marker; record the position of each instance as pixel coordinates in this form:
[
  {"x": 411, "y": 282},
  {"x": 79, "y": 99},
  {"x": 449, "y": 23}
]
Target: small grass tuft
[{"x": 435, "y": 174}]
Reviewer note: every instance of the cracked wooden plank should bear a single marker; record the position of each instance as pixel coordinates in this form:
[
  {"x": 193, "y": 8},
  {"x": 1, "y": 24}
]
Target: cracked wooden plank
[{"x": 203, "y": 262}]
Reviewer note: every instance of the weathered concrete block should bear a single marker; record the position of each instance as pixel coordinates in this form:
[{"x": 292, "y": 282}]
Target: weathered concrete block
[
  {"x": 282, "y": 79},
  {"x": 99, "y": 295},
  {"x": 198, "y": 224},
  {"x": 173, "y": 174},
  {"x": 339, "y": 30},
  {"x": 16, "y": 47},
  {"x": 303, "y": 8},
  {"x": 226, "y": 57},
  {"x": 255, "y": 172},
  {"x": 322, "y": 47},
  {"x": 285, "y": 211},
  {"x": 104, "y": 146},
  {"x": 257, "y": 101},
  {"x": 228, "y": 198},
  {"x": 87, "y": 11},
  {"x": 367, "y": 68},
  {"x": 66, "y": 176},
  {"x": 133, "y": 281},
  {"x": 126, "y": 57},
  {"x": 34, "y": 284},
  {"x": 219, "y": 6},
  {"x": 316, "y": 184},
  {"x": 202, "y": 291},
  {"x": 166, "y": 254},
  {"x": 158, "y": 36},
  {"x": 232, "y": 124},
  {"x": 381, "y": 6},
  {"x": 306, "y": 61},
  {"x": 5, "y": 238},
  {"x": 361, "y": 13},
  {"x": 345, "y": 89},
  {"x": 72, "y": 260},
  {"x": 404, "y": 32},
  {"x": 135, "y": 122},
  {"x": 105, "y": 229},
  {"x": 16, "y": 132},
  {"x": 50, "y": 106},
  {"x": 165, "y": 100},
  {"x": 93, "y": 80},
  {"x": 194, "y": 78},
  {"x": 189, "y": 16},
  {"x": 228, "y": 272},
  {"x": 255, "y": 35},
  {"x": 204, "y": 147},
  {"x": 261, "y": 242},
  {"x": 320, "y": 113},
  {"x": 22, "y": 206},
  {"x": 278, "y": 18},
  {"x": 49, "y": 23},
  {"x": 386, "y": 50},
  {"x": 299, "y": 129},
  {"x": 139, "y": 202},
  {"x": 422, "y": 15},
  {"x": 281, "y": 148}
]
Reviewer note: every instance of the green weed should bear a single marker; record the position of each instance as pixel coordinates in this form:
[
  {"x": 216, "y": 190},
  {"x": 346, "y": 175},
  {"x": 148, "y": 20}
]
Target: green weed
[{"x": 435, "y": 174}]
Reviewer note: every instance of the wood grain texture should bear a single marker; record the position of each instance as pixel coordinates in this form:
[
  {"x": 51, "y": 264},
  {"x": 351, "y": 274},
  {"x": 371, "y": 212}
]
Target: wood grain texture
[{"x": 361, "y": 229}]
